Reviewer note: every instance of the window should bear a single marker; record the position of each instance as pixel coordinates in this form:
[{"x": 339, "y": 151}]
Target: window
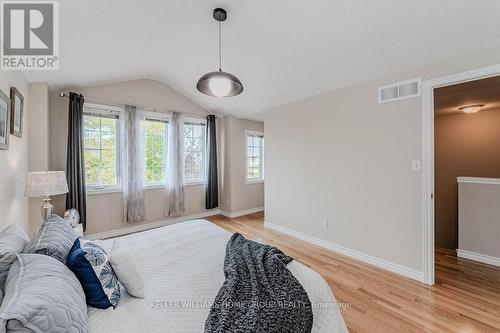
[
  {"x": 255, "y": 157},
  {"x": 155, "y": 138},
  {"x": 194, "y": 151},
  {"x": 101, "y": 146}
]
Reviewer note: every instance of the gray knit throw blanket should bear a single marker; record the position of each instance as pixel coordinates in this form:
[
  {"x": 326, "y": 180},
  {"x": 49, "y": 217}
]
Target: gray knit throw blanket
[{"x": 259, "y": 294}]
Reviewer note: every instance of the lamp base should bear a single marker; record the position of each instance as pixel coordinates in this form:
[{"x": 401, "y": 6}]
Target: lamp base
[{"x": 46, "y": 208}]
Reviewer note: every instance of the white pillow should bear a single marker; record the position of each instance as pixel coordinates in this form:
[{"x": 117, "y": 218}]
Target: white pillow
[{"x": 126, "y": 269}]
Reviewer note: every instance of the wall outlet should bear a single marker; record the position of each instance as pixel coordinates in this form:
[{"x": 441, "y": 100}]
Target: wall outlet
[{"x": 325, "y": 223}]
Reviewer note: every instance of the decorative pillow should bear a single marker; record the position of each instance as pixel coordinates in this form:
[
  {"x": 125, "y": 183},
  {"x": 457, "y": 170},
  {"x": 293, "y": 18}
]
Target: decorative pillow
[
  {"x": 12, "y": 240},
  {"x": 127, "y": 270},
  {"x": 54, "y": 239},
  {"x": 91, "y": 265},
  {"x": 42, "y": 295}
]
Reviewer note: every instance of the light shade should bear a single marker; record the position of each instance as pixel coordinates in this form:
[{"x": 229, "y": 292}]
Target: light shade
[
  {"x": 219, "y": 84},
  {"x": 471, "y": 108},
  {"x": 43, "y": 184}
]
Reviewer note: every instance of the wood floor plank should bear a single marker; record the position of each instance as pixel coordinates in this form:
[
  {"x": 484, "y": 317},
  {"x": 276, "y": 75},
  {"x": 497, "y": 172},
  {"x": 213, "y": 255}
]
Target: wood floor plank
[{"x": 465, "y": 298}]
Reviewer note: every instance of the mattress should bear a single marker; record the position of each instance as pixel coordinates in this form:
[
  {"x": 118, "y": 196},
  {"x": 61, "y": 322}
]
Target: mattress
[{"x": 182, "y": 266}]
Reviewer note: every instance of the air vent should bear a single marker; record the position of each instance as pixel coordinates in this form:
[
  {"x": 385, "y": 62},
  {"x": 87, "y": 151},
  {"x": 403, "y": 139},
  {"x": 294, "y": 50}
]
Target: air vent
[{"x": 399, "y": 91}]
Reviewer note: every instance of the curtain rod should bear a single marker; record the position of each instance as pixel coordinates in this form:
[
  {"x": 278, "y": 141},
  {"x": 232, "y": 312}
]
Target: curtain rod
[{"x": 150, "y": 109}]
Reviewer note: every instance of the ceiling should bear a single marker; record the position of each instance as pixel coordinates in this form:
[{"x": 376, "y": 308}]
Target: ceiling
[
  {"x": 448, "y": 100},
  {"x": 281, "y": 50}
]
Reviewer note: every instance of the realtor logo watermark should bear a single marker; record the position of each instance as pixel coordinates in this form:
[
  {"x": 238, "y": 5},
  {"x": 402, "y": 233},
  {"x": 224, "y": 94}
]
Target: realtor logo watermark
[{"x": 30, "y": 35}]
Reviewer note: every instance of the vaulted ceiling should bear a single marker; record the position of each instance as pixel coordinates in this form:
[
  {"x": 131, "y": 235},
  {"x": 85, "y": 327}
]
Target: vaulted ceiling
[{"x": 281, "y": 50}]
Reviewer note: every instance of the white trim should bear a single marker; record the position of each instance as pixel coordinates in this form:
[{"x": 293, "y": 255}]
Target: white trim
[
  {"x": 103, "y": 107},
  {"x": 195, "y": 121},
  {"x": 428, "y": 157},
  {"x": 486, "y": 259},
  {"x": 152, "y": 225},
  {"x": 232, "y": 215},
  {"x": 155, "y": 115},
  {"x": 479, "y": 180},
  {"x": 377, "y": 262}
]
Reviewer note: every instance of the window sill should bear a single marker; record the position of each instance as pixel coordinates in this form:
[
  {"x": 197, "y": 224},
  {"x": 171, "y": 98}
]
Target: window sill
[
  {"x": 104, "y": 191},
  {"x": 196, "y": 183},
  {"x": 250, "y": 182},
  {"x": 154, "y": 187},
  {"x": 157, "y": 187}
]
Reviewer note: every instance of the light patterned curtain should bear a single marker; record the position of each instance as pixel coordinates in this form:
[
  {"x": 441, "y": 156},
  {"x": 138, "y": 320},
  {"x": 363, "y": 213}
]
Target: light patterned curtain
[
  {"x": 175, "y": 179},
  {"x": 133, "y": 173}
]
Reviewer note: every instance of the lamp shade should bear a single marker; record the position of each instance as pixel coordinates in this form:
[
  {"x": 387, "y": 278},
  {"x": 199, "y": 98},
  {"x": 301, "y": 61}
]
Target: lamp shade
[
  {"x": 43, "y": 184},
  {"x": 220, "y": 84}
]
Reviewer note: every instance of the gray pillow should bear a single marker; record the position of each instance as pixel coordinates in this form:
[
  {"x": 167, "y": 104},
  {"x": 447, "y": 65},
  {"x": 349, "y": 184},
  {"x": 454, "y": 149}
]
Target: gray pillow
[
  {"x": 55, "y": 239},
  {"x": 43, "y": 295},
  {"x": 12, "y": 240}
]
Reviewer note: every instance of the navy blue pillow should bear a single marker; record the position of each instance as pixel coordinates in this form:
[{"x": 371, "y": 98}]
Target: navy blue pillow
[{"x": 90, "y": 263}]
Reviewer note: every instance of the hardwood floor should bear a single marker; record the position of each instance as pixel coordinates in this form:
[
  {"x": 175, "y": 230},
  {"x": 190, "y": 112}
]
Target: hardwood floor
[{"x": 465, "y": 298}]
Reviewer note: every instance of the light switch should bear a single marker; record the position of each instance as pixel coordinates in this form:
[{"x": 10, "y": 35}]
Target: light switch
[{"x": 416, "y": 166}]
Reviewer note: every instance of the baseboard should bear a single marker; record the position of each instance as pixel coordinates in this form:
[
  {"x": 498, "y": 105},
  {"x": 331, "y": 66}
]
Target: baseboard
[
  {"x": 232, "y": 215},
  {"x": 485, "y": 259},
  {"x": 377, "y": 262},
  {"x": 152, "y": 225}
]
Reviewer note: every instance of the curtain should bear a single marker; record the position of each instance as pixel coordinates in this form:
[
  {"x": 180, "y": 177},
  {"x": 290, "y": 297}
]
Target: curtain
[
  {"x": 212, "y": 194},
  {"x": 75, "y": 166},
  {"x": 132, "y": 161},
  {"x": 175, "y": 179}
]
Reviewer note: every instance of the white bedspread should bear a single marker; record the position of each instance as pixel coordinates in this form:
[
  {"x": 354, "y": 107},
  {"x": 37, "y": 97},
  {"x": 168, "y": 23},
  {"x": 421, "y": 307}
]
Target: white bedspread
[{"x": 182, "y": 265}]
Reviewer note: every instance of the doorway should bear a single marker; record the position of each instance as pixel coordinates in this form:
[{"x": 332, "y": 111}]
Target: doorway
[{"x": 430, "y": 90}]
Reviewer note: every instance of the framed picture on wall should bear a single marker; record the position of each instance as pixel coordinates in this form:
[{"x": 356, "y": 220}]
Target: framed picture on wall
[
  {"x": 16, "y": 117},
  {"x": 4, "y": 121}
]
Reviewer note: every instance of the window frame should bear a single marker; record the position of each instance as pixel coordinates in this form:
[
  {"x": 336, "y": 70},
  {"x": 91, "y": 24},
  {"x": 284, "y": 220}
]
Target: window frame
[
  {"x": 204, "y": 181},
  {"x": 261, "y": 180},
  {"x": 163, "y": 117},
  {"x": 106, "y": 110}
]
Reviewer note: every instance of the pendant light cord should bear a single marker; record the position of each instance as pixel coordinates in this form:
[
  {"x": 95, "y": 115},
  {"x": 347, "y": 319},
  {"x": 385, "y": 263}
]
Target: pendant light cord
[{"x": 220, "y": 48}]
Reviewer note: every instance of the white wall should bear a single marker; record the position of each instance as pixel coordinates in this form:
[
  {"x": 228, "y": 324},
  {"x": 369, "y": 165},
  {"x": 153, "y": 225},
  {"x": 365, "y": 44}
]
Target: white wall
[
  {"x": 105, "y": 211},
  {"x": 238, "y": 195},
  {"x": 14, "y": 162},
  {"x": 343, "y": 157}
]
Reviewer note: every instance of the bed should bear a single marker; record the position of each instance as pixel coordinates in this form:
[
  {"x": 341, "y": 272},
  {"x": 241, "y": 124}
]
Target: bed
[{"x": 182, "y": 265}]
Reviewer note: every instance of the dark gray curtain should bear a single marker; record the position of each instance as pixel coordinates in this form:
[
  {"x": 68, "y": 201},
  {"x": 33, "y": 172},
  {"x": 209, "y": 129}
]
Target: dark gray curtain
[
  {"x": 75, "y": 169},
  {"x": 212, "y": 196}
]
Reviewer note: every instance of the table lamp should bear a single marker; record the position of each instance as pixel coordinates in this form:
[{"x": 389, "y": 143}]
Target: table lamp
[{"x": 44, "y": 184}]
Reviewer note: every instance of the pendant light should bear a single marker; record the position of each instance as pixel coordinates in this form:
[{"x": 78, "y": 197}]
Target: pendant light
[{"x": 219, "y": 83}]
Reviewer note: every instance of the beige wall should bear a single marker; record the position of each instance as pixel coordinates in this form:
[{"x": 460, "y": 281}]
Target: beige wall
[
  {"x": 14, "y": 162},
  {"x": 479, "y": 223},
  {"x": 238, "y": 195},
  {"x": 344, "y": 157},
  {"x": 38, "y": 140},
  {"x": 466, "y": 145},
  {"x": 105, "y": 211}
]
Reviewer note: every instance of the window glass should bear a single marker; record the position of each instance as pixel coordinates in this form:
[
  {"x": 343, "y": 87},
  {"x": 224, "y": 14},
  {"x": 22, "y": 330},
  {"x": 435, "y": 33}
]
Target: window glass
[
  {"x": 101, "y": 149},
  {"x": 194, "y": 152},
  {"x": 255, "y": 157},
  {"x": 155, "y": 139}
]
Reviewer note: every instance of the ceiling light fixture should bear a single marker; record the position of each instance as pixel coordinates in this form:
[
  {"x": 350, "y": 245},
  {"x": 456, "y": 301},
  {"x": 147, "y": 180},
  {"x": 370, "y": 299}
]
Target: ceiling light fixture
[
  {"x": 219, "y": 83},
  {"x": 471, "y": 108}
]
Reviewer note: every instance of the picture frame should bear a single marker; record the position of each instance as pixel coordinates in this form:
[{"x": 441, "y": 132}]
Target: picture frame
[
  {"x": 4, "y": 120},
  {"x": 16, "y": 117}
]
